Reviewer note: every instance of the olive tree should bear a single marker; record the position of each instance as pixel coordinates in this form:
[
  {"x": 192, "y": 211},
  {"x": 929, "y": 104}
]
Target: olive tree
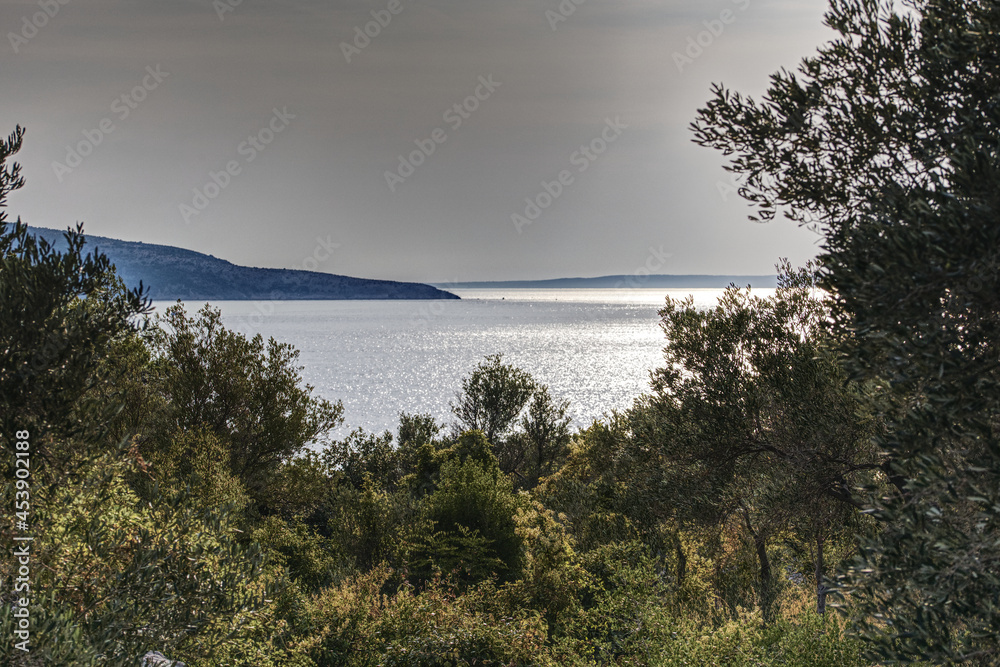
[
  {"x": 888, "y": 140},
  {"x": 112, "y": 574},
  {"x": 60, "y": 310},
  {"x": 754, "y": 423},
  {"x": 527, "y": 428},
  {"x": 492, "y": 397},
  {"x": 247, "y": 392}
]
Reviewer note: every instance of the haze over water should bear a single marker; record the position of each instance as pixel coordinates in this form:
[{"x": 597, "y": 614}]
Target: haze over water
[{"x": 592, "y": 347}]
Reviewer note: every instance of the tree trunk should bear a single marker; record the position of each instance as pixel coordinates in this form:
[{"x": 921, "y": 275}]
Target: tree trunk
[
  {"x": 820, "y": 586},
  {"x": 681, "y": 561},
  {"x": 766, "y": 583}
]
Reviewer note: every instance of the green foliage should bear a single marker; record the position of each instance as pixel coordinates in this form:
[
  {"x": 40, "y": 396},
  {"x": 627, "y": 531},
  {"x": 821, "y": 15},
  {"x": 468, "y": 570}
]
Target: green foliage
[
  {"x": 362, "y": 456},
  {"x": 416, "y": 430},
  {"x": 371, "y": 525},
  {"x": 810, "y": 640},
  {"x": 423, "y": 464},
  {"x": 311, "y": 561},
  {"x": 604, "y": 489},
  {"x": 527, "y": 429},
  {"x": 60, "y": 311},
  {"x": 472, "y": 511},
  {"x": 358, "y": 625},
  {"x": 471, "y": 446},
  {"x": 620, "y": 615},
  {"x": 120, "y": 572},
  {"x": 10, "y": 175},
  {"x": 300, "y": 487},
  {"x": 248, "y": 393},
  {"x": 542, "y": 441},
  {"x": 112, "y": 572},
  {"x": 755, "y": 424},
  {"x": 492, "y": 397},
  {"x": 552, "y": 579},
  {"x": 197, "y": 458},
  {"x": 58, "y": 639},
  {"x": 887, "y": 140}
]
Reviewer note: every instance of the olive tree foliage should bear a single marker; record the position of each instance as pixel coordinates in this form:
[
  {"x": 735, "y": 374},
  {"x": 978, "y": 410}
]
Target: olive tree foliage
[
  {"x": 60, "y": 310},
  {"x": 754, "y": 423},
  {"x": 116, "y": 575},
  {"x": 247, "y": 392},
  {"x": 545, "y": 436},
  {"x": 492, "y": 397},
  {"x": 888, "y": 140},
  {"x": 112, "y": 574},
  {"x": 10, "y": 174},
  {"x": 527, "y": 428}
]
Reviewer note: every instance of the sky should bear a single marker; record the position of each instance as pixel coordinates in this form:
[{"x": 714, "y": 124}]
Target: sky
[{"x": 425, "y": 140}]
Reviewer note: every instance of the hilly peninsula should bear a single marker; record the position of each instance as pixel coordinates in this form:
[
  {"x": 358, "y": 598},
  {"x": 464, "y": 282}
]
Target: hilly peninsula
[{"x": 175, "y": 273}]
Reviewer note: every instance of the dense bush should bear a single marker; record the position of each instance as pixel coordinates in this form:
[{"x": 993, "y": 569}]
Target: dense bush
[
  {"x": 359, "y": 624},
  {"x": 472, "y": 518}
]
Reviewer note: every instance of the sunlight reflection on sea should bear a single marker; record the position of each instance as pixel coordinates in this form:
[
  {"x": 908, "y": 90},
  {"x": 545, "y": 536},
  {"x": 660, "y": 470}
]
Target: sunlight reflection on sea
[{"x": 380, "y": 358}]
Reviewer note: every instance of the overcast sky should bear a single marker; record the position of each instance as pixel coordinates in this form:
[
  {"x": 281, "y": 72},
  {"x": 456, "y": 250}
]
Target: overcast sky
[{"x": 132, "y": 106}]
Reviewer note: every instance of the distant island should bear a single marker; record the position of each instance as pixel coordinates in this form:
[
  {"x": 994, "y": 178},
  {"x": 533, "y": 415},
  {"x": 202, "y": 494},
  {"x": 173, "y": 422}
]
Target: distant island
[
  {"x": 625, "y": 282},
  {"x": 175, "y": 273}
]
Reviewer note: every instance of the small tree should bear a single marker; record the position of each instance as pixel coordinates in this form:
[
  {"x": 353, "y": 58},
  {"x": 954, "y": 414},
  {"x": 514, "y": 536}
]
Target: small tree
[
  {"x": 248, "y": 393},
  {"x": 493, "y": 397},
  {"x": 545, "y": 436},
  {"x": 527, "y": 429}
]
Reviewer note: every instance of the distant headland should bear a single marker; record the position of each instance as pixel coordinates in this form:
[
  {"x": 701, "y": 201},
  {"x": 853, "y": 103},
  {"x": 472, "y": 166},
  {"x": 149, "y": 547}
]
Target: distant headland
[{"x": 175, "y": 273}]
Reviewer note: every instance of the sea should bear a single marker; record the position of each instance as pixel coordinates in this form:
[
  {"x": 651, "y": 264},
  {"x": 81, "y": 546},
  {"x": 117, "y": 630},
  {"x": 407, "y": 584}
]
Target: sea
[{"x": 592, "y": 347}]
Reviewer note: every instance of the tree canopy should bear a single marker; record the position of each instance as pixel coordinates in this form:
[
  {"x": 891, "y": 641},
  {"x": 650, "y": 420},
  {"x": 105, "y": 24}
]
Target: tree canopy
[{"x": 887, "y": 140}]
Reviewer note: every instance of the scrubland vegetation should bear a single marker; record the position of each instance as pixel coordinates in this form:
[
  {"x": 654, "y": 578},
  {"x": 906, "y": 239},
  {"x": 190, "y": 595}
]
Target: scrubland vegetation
[
  {"x": 188, "y": 497},
  {"x": 812, "y": 479}
]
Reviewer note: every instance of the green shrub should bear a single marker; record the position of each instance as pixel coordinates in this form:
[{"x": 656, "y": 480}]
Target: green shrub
[
  {"x": 472, "y": 512},
  {"x": 371, "y": 525},
  {"x": 807, "y": 640},
  {"x": 312, "y": 561},
  {"x": 116, "y": 575},
  {"x": 358, "y": 625}
]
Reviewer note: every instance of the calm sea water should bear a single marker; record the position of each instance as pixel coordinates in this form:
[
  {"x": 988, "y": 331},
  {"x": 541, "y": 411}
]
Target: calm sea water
[{"x": 592, "y": 347}]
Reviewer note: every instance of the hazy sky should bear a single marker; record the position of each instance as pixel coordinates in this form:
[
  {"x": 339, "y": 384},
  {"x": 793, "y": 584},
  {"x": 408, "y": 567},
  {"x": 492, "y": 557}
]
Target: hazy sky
[{"x": 132, "y": 106}]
